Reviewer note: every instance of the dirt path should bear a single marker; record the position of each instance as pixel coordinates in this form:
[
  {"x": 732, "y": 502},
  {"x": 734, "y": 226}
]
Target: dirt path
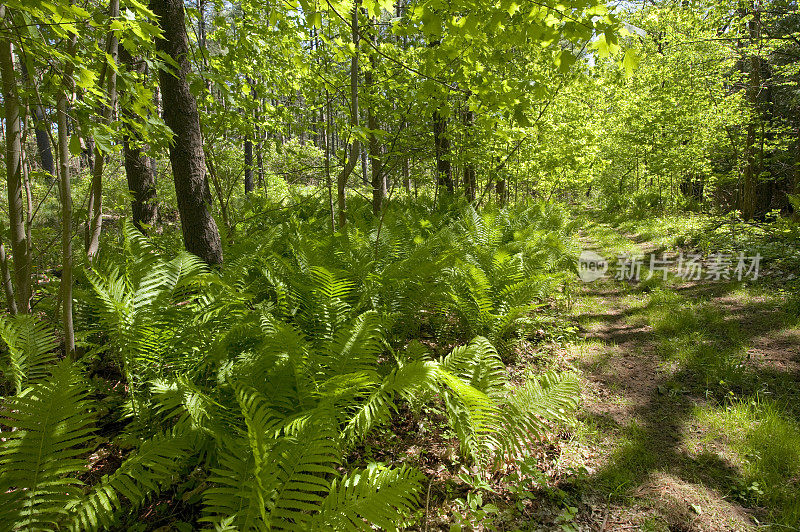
[{"x": 652, "y": 357}]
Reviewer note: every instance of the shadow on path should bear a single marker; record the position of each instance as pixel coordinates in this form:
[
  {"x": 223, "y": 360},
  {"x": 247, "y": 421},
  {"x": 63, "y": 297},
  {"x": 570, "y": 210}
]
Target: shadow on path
[{"x": 654, "y": 359}]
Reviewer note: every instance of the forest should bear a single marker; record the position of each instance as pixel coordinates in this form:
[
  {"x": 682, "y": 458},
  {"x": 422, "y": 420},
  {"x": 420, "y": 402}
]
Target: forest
[{"x": 508, "y": 265}]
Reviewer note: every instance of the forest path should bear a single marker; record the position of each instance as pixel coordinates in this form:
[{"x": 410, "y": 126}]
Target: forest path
[{"x": 662, "y": 363}]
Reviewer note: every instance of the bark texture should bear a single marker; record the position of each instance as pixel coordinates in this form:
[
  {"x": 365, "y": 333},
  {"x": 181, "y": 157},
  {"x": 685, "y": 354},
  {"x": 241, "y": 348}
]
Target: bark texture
[
  {"x": 350, "y": 164},
  {"x": 249, "y": 186},
  {"x": 751, "y": 168},
  {"x": 444, "y": 172},
  {"x": 470, "y": 182},
  {"x": 200, "y": 232},
  {"x": 16, "y": 212},
  {"x": 138, "y": 167},
  {"x": 65, "y": 194}
]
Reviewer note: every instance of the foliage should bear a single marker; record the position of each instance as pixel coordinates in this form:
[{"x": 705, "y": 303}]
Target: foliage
[{"x": 265, "y": 374}]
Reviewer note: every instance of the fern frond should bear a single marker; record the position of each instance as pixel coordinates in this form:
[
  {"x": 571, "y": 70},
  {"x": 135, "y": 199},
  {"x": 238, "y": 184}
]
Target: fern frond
[
  {"x": 51, "y": 422},
  {"x": 533, "y": 407},
  {"x": 355, "y": 348},
  {"x": 478, "y": 365},
  {"x": 409, "y": 381},
  {"x": 234, "y": 494},
  {"x": 31, "y": 349},
  {"x": 297, "y": 474},
  {"x": 375, "y": 496},
  {"x": 151, "y": 469}
]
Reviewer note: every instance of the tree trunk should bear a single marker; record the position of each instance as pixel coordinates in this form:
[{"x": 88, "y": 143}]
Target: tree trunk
[
  {"x": 469, "y": 170},
  {"x": 259, "y": 154},
  {"x": 65, "y": 193},
  {"x": 248, "y": 165},
  {"x": 20, "y": 247},
  {"x": 350, "y": 164},
  {"x": 8, "y": 288},
  {"x": 96, "y": 198},
  {"x": 796, "y": 183},
  {"x": 328, "y": 147},
  {"x": 43, "y": 148},
  {"x": 377, "y": 178},
  {"x": 200, "y": 233},
  {"x": 751, "y": 169},
  {"x": 139, "y": 167},
  {"x": 444, "y": 172},
  {"x": 500, "y": 188},
  {"x": 141, "y": 181},
  {"x": 364, "y": 167}
]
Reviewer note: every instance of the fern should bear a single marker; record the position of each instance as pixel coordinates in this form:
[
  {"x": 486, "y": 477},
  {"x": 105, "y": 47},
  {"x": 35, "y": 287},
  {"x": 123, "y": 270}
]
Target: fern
[
  {"x": 266, "y": 374},
  {"x": 277, "y": 477},
  {"x": 31, "y": 350},
  {"x": 493, "y": 419},
  {"x": 409, "y": 381},
  {"x": 151, "y": 469},
  {"x": 51, "y": 422},
  {"x": 376, "y": 496},
  {"x": 550, "y": 397}
]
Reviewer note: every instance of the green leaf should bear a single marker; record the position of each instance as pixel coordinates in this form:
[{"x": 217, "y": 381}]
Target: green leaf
[
  {"x": 314, "y": 19},
  {"x": 564, "y": 61},
  {"x": 75, "y": 145},
  {"x": 630, "y": 61},
  {"x": 86, "y": 78}
]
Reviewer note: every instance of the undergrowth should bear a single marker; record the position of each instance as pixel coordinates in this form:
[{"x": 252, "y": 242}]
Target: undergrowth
[{"x": 256, "y": 381}]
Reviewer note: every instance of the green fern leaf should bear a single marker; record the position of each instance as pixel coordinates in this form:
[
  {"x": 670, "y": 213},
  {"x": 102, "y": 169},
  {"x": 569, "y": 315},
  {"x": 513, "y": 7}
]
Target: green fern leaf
[
  {"x": 151, "y": 469},
  {"x": 375, "y": 496},
  {"x": 38, "y": 459},
  {"x": 31, "y": 349}
]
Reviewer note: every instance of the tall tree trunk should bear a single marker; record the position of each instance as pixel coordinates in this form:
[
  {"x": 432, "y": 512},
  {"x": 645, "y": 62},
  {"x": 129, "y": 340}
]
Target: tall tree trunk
[
  {"x": 153, "y": 160},
  {"x": 259, "y": 143},
  {"x": 350, "y": 163},
  {"x": 139, "y": 167},
  {"x": 142, "y": 183},
  {"x": 200, "y": 233},
  {"x": 751, "y": 169},
  {"x": 20, "y": 247},
  {"x": 500, "y": 188},
  {"x": 796, "y": 183},
  {"x": 377, "y": 180},
  {"x": 328, "y": 147},
  {"x": 96, "y": 198},
  {"x": 43, "y": 148},
  {"x": 364, "y": 166},
  {"x": 249, "y": 186},
  {"x": 8, "y": 287},
  {"x": 444, "y": 172},
  {"x": 65, "y": 194},
  {"x": 259, "y": 157},
  {"x": 470, "y": 185}
]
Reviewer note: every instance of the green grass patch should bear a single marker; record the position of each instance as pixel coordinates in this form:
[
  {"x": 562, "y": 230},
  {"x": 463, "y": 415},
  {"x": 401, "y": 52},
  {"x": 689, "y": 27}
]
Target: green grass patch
[
  {"x": 694, "y": 334},
  {"x": 764, "y": 439}
]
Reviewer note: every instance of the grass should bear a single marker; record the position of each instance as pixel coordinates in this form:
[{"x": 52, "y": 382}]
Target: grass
[
  {"x": 707, "y": 425},
  {"x": 608, "y": 240},
  {"x": 762, "y": 440},
  {"x": 696, "y": 336}
]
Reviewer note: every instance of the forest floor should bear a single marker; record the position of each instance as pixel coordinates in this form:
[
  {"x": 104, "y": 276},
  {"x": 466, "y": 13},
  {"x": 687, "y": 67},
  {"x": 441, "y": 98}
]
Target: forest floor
[
  {"x": 690, "y": 409},
  {"x": 690, "y": 415}
]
